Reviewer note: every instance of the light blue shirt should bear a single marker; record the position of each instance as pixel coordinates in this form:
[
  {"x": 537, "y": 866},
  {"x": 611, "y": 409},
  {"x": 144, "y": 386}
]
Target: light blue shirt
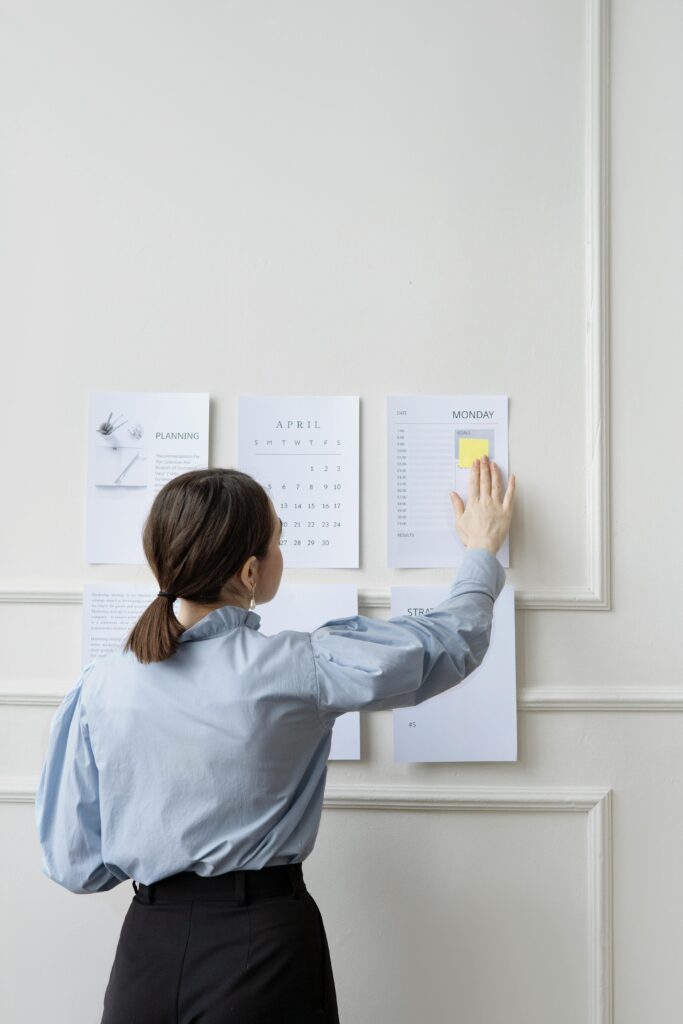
[{"x": 216, "y": 759}]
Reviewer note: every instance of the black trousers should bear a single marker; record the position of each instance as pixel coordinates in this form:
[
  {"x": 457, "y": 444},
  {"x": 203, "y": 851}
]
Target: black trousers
[{"x": 247, "y": 947}]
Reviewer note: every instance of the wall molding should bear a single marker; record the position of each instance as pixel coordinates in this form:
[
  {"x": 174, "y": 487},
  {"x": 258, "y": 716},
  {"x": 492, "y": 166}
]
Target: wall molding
[
  {"x": 604, "y": 698},
  {"x": 595, "y": 803},
  {"x": 596, "y": 595},
  {"x": 18, "y": 790},
  {"x": 40, "y": 592},
  {"x": 533, "y": 698}
]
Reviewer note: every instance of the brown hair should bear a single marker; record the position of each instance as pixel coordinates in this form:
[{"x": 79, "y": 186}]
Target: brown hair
[{"x": 201, "y": 529}]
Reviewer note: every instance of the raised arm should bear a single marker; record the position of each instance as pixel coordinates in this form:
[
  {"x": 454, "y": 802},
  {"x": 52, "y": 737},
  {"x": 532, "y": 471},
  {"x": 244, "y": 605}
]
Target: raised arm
[{"x": 369, "y": 664}]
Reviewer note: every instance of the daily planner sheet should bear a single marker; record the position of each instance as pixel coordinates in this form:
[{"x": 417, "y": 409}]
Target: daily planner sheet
[
  {"x": 476, "y": 720},
  {"x": 111, "y": 610},
  {"x": 305, "y": 606},
  {"x": 432, "y": 441},
  {"x": 137, "y": 442},
  {"x": 304, "y": 451}
]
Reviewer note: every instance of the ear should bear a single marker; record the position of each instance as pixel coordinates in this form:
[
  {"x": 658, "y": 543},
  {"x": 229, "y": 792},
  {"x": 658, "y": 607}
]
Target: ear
[{"x": 249, "y": 571}]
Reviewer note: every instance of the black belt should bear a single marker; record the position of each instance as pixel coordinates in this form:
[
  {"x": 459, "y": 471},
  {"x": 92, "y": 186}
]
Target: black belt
[{"x": 240, "y": 887}]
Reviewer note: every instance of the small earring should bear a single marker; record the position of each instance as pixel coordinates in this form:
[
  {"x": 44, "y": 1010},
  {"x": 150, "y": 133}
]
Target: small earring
[{"x": 252, "y": 602}]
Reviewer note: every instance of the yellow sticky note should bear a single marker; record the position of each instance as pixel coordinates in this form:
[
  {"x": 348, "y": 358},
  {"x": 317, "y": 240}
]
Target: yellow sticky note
[{"x": 471, "y": 448}]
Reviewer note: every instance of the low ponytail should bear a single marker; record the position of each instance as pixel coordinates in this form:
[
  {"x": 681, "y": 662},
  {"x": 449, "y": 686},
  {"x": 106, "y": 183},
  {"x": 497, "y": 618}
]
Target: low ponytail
[
  {"x": 202, "y": 527},
  {"x": 155, "y": 635}
]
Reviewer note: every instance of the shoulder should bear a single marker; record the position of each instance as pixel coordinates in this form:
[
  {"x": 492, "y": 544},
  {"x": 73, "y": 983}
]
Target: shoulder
[
  {"x": 103, "y": 668},
  {"x": 289, "y": 654},
  {"x": 287, "y": 640}
]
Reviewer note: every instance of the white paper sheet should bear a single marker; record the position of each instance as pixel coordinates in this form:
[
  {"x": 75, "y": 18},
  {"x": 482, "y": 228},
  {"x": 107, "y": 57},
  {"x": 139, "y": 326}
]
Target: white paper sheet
[
  {"x": 305, "y": 606},
  {"x": 137, "y": 441},
  {"x": 304, "y": 451},
  {"x": 476, "y": 720},
  {"x": 428, "y": 437},
  {"x": 109, "y": 613}
]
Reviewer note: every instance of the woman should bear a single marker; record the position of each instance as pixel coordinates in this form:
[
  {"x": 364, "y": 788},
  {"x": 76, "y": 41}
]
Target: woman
[{"x": 194, "y": 759}]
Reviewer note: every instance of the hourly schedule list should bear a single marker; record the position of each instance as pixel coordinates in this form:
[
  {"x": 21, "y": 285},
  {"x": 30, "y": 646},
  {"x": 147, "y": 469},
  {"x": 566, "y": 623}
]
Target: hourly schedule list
[{"x": 432, "y": 442}]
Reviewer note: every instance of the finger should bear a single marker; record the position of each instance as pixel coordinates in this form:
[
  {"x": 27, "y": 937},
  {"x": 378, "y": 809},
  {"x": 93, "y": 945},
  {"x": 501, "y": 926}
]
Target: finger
[
  {"x": 458, "y": 504},
  {"x": 496, "y": 483},
  {"x": 473, "y": 483},
  {"x": 485, "y": 478},
  {"x": 510, "y": 493}
]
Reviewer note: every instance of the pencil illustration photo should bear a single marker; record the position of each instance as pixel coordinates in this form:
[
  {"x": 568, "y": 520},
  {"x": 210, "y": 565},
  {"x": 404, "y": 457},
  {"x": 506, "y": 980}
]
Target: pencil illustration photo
[
  {"x": 107, "y": 428},
  {"x": 119, "y": 462}
]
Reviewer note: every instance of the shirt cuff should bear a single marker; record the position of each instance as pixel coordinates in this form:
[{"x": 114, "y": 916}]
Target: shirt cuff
[{"x": 480, "y": 566}]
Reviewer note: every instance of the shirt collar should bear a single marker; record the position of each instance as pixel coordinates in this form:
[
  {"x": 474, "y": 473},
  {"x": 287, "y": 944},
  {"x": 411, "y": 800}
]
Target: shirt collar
[{"x": 221, "y": 620}]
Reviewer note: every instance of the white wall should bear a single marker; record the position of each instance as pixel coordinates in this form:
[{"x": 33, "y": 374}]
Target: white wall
[{"x": 371, "y": 198}]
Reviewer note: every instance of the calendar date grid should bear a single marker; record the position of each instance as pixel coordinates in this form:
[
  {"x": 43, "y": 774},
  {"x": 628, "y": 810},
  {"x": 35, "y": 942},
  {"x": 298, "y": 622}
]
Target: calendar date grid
[{"x": 307, "y": 504}]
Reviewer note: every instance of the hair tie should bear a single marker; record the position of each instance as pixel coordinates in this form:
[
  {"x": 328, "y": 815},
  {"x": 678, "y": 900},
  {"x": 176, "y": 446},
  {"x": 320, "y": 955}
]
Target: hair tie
[{"x": 165, "y": 593}]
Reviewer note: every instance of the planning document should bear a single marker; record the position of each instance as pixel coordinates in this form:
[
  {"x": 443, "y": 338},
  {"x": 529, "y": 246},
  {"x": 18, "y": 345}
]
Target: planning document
[
  {"x": 432, "y": 441},
  {"x": 111, "y": 610},
  {"x": 137, "y": 442},
  {"x": 304, "y": 451},
  {"x": 476, "y": 720},
  {"x": 304, "y": 607}
]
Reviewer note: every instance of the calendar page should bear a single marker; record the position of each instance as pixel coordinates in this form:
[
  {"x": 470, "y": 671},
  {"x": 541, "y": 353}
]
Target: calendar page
[{"x": 304, "y": 451}]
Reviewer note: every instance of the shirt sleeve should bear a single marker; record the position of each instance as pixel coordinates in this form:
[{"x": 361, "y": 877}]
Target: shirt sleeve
[
  {"x": 366, "y": 664},
  {"x": 67, "y": 807}
]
